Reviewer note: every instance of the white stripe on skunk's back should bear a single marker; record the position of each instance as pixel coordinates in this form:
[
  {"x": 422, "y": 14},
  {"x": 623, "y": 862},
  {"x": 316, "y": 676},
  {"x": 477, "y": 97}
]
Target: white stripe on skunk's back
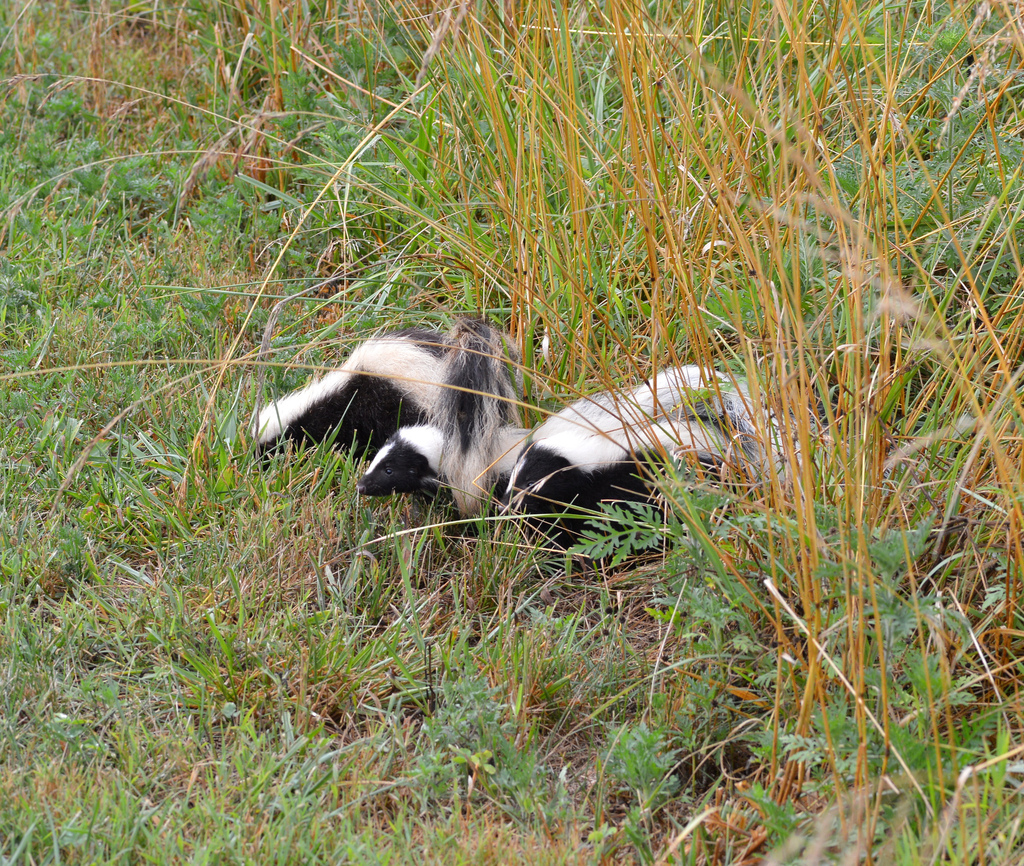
[
  {"x": 419, "y": 370},
  {"x": 623, "y": 416}
]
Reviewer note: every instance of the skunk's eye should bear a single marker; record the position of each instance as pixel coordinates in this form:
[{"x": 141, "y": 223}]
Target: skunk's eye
[{"x": 388, "y": 471}]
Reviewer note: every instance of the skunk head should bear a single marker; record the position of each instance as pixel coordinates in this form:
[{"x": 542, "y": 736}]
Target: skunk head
[{"x": 409, "y": 462}]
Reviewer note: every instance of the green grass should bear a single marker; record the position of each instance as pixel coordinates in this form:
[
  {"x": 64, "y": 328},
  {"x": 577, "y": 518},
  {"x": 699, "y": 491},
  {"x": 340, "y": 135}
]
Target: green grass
[{"x": 207, "y": 660}]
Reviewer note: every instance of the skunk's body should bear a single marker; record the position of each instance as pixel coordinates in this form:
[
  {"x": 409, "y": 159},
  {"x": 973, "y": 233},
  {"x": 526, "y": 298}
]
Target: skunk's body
[
  {"x": 387, "y": 382},
  {"x": 414, "y": 461},
  {"x": 461, "y": 390},
  {"x": 463, "y": 382},
  {"x": 600, "y": 448}
]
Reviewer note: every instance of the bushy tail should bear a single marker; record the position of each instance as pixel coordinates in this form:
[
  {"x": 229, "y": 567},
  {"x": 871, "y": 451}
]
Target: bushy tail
[
  {"x": 481, "y": 395},
  {"x": 728, "y": 431}
]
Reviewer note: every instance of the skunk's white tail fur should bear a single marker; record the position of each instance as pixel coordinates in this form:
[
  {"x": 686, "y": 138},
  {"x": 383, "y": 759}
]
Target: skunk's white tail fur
[{"x": 481, "y": 392}]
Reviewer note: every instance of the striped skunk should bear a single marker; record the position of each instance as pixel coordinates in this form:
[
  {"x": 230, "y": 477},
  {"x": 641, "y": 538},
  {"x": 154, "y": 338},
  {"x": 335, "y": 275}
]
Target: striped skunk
[
  {"x": 472, "y": 439},
  {"x": 387, "y": 381},
  {"x": 413, "y": 461},
  {"x": 390, "y": 381},
  {"x": 600, "y": 448}
]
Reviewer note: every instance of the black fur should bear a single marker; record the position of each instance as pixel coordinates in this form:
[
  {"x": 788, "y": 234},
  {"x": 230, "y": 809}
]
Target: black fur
[
  {"x": 560, "y": 499},
  {"x": 367, "y": 407},
  {"x": 361, "y": 416}
]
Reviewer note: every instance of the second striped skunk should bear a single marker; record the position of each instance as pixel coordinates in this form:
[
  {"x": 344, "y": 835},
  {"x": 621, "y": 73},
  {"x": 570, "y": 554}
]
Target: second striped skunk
[
  {"x": 398, "y": 379},
  {"x": 600, "y": 448}
]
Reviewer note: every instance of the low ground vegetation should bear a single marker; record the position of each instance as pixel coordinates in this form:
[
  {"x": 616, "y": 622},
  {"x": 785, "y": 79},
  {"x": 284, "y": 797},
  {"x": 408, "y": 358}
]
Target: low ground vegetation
[{"x": 207, "y": 659}]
